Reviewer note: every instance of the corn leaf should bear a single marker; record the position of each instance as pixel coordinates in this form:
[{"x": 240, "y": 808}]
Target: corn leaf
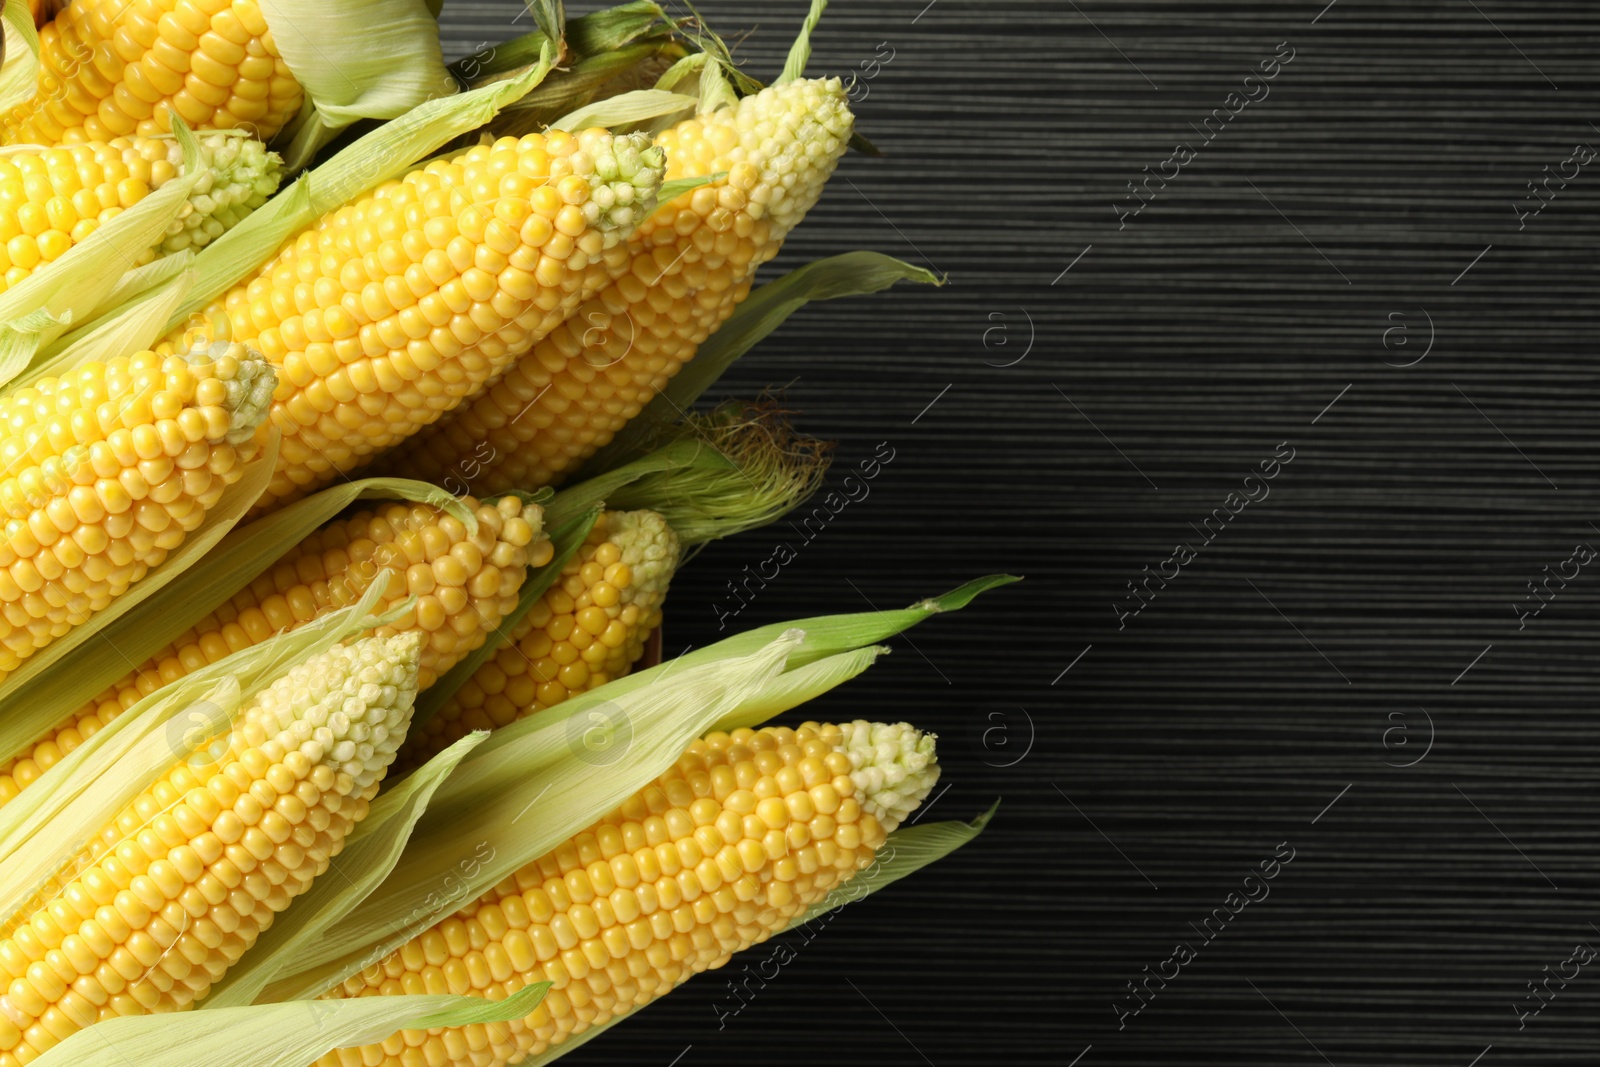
[
  {"x": 907, "y": 850},
  {"x": 19, "y": 75},
  {"x": 566, "y": 538},
  {"x": 824, "y": 636},
  {"x": 800, "y": 51},
  {"x": 637, "y": 106},
  {"x": 799, "y": 686},
  {"x": 763, "y": 311},
  {"x": 542, "y": 789},
  {"x": 690, "y": 453},
  {"x": 369, "y": 855},
  {"x": 49, "y": 823},
  {"x": 145, "y": 619},
  {"x": 135, "y": 325},
  {"x": 276, "y": 1035},
  {"x": 396, "y": 67},
  {"x": 386, "y": 152}
]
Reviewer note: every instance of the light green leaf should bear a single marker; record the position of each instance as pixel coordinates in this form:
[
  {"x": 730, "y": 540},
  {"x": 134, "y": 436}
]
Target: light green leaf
[
  {"x": 796, "y": 687},
  {"x": 134, "y": 325},
  {"x": 276, "y": 1035},
  {"x": 144, "y": 619},
  {"x": 686, "y": 454},
  {"x": 369, "y": 855},
  {"x": 566, "y": 537},
  {"x": 764, "y": 310},
  {"x": 394, "y": 66},
  {"x": 386, "y": 152},
  {"x": 19, "y": 75},
  {"x": 907, "y": 851},
  {"x": 636, "y": 106},
  {"x": 800, "y": 51},
  {"x": 553, "y": 775}
]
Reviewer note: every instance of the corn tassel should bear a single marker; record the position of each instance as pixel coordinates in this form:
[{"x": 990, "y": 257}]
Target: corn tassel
[
  {"x": 464, "y": 586},
  {"x": 178, "y": 886},
  {"x": 721, "y": 852},
  {"x": 105, "y": 471},
  {"x": 396, "y": 307},
  {"x": 692, "y": 263}
]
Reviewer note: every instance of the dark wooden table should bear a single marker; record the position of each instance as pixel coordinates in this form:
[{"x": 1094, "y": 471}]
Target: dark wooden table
[{"x": 1349, "y": 270}]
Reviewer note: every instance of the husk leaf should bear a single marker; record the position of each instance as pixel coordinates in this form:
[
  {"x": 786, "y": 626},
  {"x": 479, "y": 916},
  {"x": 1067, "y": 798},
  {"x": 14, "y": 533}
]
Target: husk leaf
[{"x": 19, "y": 75}]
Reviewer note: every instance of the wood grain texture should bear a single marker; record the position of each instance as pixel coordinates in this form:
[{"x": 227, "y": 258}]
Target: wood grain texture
[{"x": 1172, "y": 358}]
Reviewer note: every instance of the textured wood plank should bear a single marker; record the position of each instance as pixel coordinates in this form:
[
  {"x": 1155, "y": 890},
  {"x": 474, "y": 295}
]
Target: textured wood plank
[{"x": 1253, "y": 292}]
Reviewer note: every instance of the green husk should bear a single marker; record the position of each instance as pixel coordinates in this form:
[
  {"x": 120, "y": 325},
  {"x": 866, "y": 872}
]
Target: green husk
[
  {"x": 547, "y": 762},
  {"x": 148, "y": 615},
  {"x": 19, "y": 75},
  {"x": 639, "y": 105},
  {"x": 396, "y": 66},
  {"x": 800, "y": 51},
  {"x": 686, "y": 453},
  {"x": 369, "y": 855},
  {"x": 763, "y": 311},
  {"x": 136, "y": 324},
  {"x": 907, "y": 851},
  {"x": 770, "y": 470},
  {"x": 276, "y": 1035},
  {"x": 565, "y": 538},
  {"x": 49, "y": 823},
  {"x": 386, "y": 152}
]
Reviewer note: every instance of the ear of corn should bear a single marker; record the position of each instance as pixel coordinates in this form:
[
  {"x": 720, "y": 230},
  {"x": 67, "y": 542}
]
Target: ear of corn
[
  {"x": 592, "y": 624},
  {"x": 745, "y": 834},
  {"x": 53, "y": 198},
  {"x": 464, "y": 581},
  {"x": 111, "y": 68},
  {"x": 399, "y": 305},
  {"x": 183, "y": 881},
  {"x": 106, "y": 471},
  {"x": 692, "y": 263}
]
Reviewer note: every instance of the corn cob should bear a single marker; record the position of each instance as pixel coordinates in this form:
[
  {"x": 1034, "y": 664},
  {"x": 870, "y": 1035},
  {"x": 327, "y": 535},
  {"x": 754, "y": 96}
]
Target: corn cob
[
  {"x": 692, "y": 263},
  {"x": 53, "y": 198},
  {"x": 109, "y": 68},
  {"x": 105, "y": 471},
  {"x": 464, "y": 585},
  {"x": 588, "y": 628},
  {"x": 182, "y": 882},
  {"x": 395, "y": 307},
  {"x": 723, "y": 851}
]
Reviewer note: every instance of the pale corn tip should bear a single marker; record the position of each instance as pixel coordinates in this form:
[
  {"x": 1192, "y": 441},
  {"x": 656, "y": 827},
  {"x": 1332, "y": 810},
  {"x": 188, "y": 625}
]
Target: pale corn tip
[
  {"x": 894, "y": 767},
  {"x": 624, "y": 173},
  {"x": 238, "y": 175},
  {"x": 649, "y": 549},
  {"x": 248, "y": 379},
  {"x": 348, "y": 708}
]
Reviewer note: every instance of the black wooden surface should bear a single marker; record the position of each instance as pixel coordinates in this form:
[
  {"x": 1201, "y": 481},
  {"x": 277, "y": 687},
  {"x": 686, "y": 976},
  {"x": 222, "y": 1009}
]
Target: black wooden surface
[{"x": 1365, "y": 207}]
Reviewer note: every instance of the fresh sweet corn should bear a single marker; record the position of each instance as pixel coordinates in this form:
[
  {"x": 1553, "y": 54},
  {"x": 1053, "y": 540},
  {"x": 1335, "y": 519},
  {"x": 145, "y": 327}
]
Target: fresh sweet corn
[
  {"x": 692, "y": 263},
  {"x": 396, "y": 307},
  {"x": 464, "y": 586},
  {"x": 106, "y": 470},
  {"x": 588, "y": 628},
  {"x": 745, "y": 834},
  {"x": 53, "y": 198},
  {"x": 109, "y": 68},
  {"x": 182, "y": 882}
]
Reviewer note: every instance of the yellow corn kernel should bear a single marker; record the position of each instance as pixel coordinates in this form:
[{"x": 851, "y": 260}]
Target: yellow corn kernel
[
  {"x": 106, "y": 470},
  {"x": 561, "y": 917},
  {"x": 690, "y": 265},
  {"x": 408, "y": 300},
  {"x": 589, "y": 627},
  {"x": 181, "y": 883},
  {"x": 331, "y": 569},
  {"x": 110, "y": 68}
]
